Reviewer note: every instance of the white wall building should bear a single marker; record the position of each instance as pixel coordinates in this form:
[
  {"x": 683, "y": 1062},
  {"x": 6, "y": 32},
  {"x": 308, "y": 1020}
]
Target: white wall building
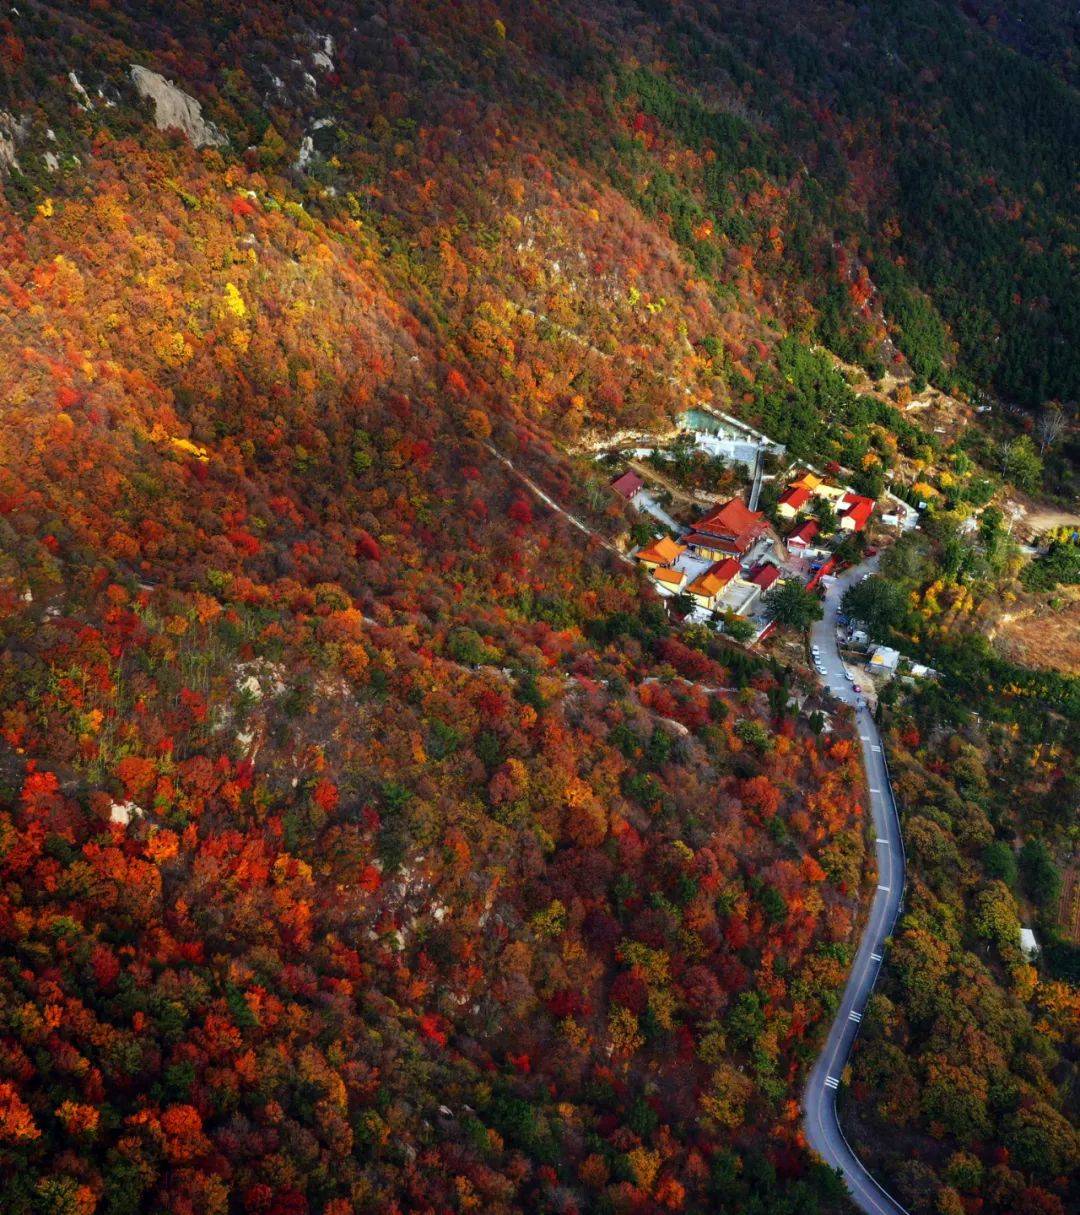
[{"x": 885, "y": 658}]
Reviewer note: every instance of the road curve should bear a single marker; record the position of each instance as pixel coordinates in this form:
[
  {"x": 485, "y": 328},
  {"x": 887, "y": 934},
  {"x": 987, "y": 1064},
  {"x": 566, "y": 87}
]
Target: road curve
[{"x": 822, "y": 1126}]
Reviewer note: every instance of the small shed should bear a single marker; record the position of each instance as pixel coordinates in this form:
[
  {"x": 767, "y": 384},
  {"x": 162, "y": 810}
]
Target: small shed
[{"x": 628, "y": 486}]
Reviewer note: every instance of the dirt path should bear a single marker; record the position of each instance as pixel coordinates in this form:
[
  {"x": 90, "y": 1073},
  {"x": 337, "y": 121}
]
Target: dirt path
[
  {"x": 697, "y": 501},
  {"x": 550, "y": 501},
  {"x": 1038, "y": 518}
]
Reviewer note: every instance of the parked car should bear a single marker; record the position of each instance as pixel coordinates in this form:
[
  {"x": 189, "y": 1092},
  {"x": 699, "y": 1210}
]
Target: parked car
[{"x": 857, "y": 688}]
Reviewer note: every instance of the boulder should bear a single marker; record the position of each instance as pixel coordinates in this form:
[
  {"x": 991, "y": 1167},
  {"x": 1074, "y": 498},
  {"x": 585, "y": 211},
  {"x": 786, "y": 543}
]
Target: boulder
[{"x": 175, "y": 108}]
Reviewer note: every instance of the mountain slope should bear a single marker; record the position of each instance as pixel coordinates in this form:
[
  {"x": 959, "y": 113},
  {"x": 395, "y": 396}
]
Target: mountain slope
[{"x": 369, "y": 839}]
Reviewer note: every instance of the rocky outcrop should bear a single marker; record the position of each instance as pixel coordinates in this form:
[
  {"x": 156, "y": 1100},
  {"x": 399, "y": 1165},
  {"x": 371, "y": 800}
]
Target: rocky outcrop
[
  {"x": 174, "y": 108},
  {"x": 10, "y": 133}
]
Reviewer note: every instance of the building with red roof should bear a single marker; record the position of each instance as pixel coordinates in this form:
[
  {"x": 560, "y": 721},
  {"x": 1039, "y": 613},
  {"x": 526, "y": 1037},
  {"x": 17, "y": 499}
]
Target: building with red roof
[
  {"x": 819, "y": 574},
  {"x": 628, "y": 486},
  {"x": 727, "y": 531},
  {"x": 857, "y": 513},
  {"x": 765, "y": 575},
  {"x": 793, "y": 501},
  {"x": 802, "y": 537}
]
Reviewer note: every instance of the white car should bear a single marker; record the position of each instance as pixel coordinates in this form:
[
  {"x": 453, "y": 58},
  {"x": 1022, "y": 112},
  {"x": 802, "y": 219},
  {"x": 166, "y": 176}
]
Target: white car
[{"x": 849, "y": 677}]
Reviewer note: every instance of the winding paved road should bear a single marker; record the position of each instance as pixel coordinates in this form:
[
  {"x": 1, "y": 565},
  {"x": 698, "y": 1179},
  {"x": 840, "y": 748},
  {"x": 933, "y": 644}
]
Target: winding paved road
[{"x": 822, "y": 1126}]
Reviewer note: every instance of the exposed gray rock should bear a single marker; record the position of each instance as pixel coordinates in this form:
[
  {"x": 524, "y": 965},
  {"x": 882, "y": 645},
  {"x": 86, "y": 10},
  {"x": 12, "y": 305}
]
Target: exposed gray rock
[
  {"x": 307, "y": 151},
  {"x": 124, "y": 812},
  {"x": 9, "y": 130},
  {"x": 84, "y": 102},
  {"x": 12, "y": 132},
  {"x": 313, "y": 144},
  {"x": 175, "y": 108}
]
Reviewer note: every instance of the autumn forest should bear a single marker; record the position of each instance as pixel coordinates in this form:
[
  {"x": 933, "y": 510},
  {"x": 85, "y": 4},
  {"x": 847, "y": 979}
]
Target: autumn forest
[{"x": 371, "y": 838}]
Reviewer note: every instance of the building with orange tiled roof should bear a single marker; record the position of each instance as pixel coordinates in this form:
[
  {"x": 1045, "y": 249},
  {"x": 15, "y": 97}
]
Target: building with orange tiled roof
[
  {"x": 808, "y": 481},
  {"x": 707, "y": 589},
  {"x": 669, "y": 578},
  {"x": 662, "y": 552}
]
